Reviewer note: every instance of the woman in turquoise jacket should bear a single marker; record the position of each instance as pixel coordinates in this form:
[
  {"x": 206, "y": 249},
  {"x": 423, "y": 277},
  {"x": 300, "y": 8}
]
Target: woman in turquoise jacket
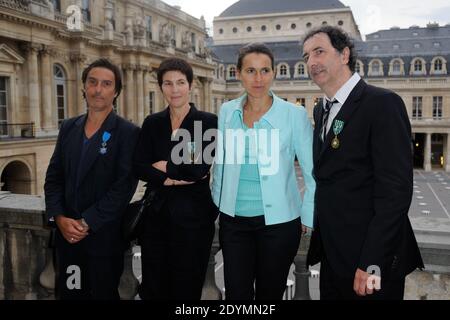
[{"x": 262, "y": 213}]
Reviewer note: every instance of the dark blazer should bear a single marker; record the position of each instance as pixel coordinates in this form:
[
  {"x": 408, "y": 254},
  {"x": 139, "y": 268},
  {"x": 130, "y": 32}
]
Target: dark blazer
[
  {"x": 364, "y": 187},
  {"x": 105, "y": 184},
  {"x": 190, "y": 205}
]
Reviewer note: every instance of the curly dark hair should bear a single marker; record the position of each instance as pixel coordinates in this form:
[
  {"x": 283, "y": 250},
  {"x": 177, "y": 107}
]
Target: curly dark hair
[
  {"x": 107, "y": 64},
  {"x": 175, "y": 64},
  {"x": 339, "y": 40}
]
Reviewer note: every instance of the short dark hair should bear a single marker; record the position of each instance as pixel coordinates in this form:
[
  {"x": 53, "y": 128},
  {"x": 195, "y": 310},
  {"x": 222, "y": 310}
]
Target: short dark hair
[
  {"x": 339, "y": 40},
  {"x": 255, "y": 47},
  {"x": 175, "y": 64},
  {"x": 107, "y": 64}
]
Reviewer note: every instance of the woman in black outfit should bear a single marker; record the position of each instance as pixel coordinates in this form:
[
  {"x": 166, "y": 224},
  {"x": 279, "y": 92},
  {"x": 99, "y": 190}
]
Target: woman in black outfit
[{"x": 179, "y": 226}]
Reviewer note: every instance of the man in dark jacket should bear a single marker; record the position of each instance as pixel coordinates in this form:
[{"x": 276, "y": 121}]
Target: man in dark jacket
[
  {"x": 363, "y": 170},
  {"x": 88, "y": 185}
]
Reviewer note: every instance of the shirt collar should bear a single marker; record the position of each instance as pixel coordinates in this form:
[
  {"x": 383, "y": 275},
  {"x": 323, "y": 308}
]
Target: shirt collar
[
  {"x": 270, "y": 116},
  {"x": 343, "y": 93}
]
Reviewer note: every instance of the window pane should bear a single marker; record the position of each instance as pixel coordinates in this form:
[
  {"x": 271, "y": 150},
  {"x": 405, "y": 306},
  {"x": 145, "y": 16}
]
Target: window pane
[
  {"x": 2, "y": 83},
  {"x": 60, "y": 90},
  {"x": 2, "y": 98},
  {"x": 3, "y": 114}
]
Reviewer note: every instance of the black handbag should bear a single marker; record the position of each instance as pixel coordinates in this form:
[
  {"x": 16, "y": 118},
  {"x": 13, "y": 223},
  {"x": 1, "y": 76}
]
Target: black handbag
[{"x": 132, "y": 223}]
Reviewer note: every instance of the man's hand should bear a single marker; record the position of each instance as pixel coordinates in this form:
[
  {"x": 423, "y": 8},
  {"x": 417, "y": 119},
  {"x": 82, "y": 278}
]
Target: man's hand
[
  {"x": 364, "y": 283},
  {"x": 161, "y": 166},
  {"x": 305, "y": 229},
  {"x": 71, "y": 229}
]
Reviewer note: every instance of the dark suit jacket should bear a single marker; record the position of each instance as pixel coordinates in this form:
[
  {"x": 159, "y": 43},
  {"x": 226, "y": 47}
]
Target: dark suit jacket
[
  {"x": 364, "y": 188},
  {"x": 105, "y": 185},
  {"x": 190, "y": 205}
]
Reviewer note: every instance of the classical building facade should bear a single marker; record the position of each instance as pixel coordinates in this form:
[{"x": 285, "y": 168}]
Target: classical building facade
[
  {"x": 44, "y": 48},
  {"x": 45, "y": 45},
  {"x": 413, "y": 62}
]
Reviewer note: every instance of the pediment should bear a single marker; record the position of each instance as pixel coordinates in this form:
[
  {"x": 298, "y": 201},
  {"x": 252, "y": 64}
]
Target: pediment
[{"x": 9, "y": 55}]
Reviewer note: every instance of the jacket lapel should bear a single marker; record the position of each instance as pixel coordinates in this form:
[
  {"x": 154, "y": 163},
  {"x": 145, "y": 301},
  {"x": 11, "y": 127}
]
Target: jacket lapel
[
  {"x": 94, "y": 148},
  {"x": 347, "y": 110},
  {"x": 74, "y": 142}
]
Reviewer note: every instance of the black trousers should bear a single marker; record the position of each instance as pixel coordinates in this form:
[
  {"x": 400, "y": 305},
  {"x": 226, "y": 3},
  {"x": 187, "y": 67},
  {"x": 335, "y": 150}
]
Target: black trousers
[
  {"x": 256, "y": 257},
  {"x": 335, "y": 287},
  {"x": 83, "y": 277},
  {"x": 174, "y": 257}
]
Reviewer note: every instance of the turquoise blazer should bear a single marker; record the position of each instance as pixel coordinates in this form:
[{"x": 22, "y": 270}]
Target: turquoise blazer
[{"x": 281, "y": 134}]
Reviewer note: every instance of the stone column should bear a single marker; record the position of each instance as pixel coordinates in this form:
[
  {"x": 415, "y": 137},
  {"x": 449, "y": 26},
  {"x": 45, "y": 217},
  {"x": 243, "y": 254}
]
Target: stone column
[
  {"x": 147, "y": 92},
  {"x": 207, "y": 103},
  {"x": 427, "y": 156},
  {"x": 447, "y": 154},
  {"x": 210, "y": 290},
  {"x": 78, "y": 60},
  {"x": 47, "y": 105},
  {"x": 33, "y": 86},
  {"x": 130, "y": 106},
  {"x": 140, "y": 94},
  {"x": 301, "y": 271}
]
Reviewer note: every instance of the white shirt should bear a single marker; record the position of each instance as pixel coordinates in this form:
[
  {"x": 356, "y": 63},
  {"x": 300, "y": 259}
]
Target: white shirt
[{"x": 341, "y": 96}]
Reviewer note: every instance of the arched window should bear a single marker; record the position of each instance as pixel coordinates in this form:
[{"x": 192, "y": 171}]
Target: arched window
[
  {"x": 60, "y": 90},
  {"x": 418, "y": 66},
  {"x": 375, "y": 67},
  {"x": 283, "y": 70},
  {"x": 438, "y": 65},
  {"x": 396, "y": 67}
]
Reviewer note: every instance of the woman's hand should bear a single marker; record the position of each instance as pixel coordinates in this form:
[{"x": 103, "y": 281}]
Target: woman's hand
[
  {"x": 161, "y": 166},
  {"x": 171, "y": 182}
]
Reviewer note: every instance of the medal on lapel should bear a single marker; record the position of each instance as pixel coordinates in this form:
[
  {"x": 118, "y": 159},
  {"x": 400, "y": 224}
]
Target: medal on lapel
[
  {"x": 338, "y": 125},
  {"x": 105, "y": 138}
]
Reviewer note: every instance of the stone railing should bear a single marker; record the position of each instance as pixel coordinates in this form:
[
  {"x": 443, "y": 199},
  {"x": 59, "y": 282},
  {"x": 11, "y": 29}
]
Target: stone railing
[{"x": 27, "y": 268}]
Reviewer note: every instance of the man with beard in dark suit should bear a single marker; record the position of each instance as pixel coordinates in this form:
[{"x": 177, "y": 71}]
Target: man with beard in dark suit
[{"x": 363, "y": 169}]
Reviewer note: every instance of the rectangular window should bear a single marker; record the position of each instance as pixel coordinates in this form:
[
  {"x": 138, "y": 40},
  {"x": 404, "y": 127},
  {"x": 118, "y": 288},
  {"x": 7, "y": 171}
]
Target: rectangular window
[
  {"x": 60, "y": 103},
  {"x": 417, "y": 108},
  {"x": 318, "y": 101},
  {"x": 86, "y": 11},
  {"x": 300, "y": 102},
  {"x": 3, "y": 106},
  {"x": 173, "y": 35},
  {"x": 151, "y": 102},
  {"x": 148, "y": 26},
  {"x": 437, "y": 107},
  {"x": 193, "y": 41}
]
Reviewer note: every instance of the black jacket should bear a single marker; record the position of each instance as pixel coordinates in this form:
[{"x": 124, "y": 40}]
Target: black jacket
[
  {"x": 364, "y": 187},
  {"x": 190, "y": 205},
  {"x": 105, "y": 184}
]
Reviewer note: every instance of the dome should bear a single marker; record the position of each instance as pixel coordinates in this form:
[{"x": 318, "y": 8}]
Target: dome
[{"x": 257, "y": 7}]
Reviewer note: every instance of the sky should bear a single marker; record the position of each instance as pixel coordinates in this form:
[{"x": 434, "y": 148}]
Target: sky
[{"x": 370, "y": 15}]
